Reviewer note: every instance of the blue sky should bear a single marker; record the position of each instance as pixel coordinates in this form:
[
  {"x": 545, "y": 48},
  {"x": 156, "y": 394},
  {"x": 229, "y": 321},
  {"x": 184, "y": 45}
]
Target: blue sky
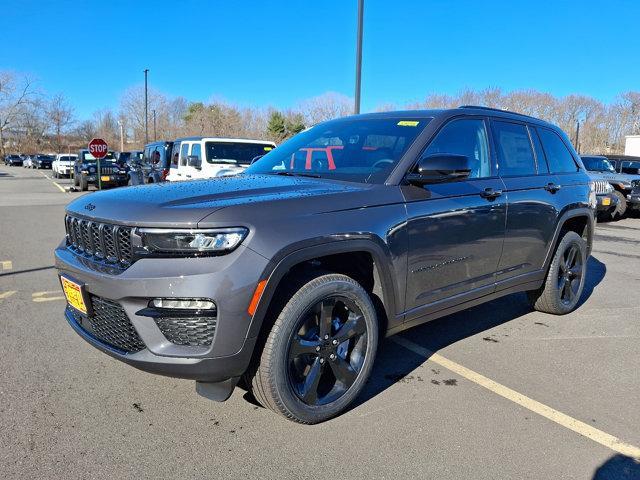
[{"x": 280, "y": 52}]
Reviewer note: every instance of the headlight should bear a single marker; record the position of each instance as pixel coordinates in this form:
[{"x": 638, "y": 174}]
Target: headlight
[
  {"x": 192, "y": 241},
  {"x": 92, "y": 169},
  {"x": 635, "y": 184}
]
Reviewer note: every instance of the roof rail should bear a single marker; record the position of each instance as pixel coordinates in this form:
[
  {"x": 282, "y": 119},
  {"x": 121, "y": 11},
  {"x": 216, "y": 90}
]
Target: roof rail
[
  {"x": 480, "y": 107},
  {"x": 503, "y": 110}
]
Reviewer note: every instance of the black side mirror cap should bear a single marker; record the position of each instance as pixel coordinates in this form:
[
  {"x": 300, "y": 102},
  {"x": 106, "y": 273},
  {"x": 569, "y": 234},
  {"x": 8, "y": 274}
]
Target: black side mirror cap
[
  {"x": 439, "y": 168},
  {"x": 194, "y": 161}
]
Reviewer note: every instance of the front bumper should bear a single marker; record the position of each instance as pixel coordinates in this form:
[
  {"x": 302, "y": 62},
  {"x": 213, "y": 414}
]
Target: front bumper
[
  {"x": 606, "y": 202},
  {"x": 229, "y": 280},
  {"x": 113, "y": 179}
]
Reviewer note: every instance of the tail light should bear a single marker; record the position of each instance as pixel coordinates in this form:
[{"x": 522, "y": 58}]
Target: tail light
[{"x": 165, "y": 172}]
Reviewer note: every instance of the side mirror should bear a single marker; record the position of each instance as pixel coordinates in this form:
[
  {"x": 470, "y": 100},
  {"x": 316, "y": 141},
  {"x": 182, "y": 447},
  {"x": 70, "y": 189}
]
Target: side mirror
[
  {"x": 194, "y": 161},
  {"x": 439, "y": 168}
]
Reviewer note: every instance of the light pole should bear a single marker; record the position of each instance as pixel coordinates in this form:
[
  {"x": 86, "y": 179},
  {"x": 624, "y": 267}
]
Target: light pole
[
  {"x": 154, "y": 125},
  {"x": 120, "y": 124},
  {"x": 146, "y": 108},
  {"x": 356, "y": 107}
]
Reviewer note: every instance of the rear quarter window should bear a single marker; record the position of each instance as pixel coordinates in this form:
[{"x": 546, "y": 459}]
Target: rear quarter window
[
  {"x": 558, "y": 155},
  {"x": 513, "y": 146}
]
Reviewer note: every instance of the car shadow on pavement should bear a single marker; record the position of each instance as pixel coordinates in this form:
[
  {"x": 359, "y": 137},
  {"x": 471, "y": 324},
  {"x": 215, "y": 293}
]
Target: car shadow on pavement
[
  {"x": 395, "y": 364},
  {"x": 618, "y": 467}
]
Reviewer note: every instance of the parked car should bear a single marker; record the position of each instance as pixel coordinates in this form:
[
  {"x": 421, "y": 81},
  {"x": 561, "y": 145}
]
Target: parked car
[
  {"x": 124, "y": 158},
  {"x": 42, "y": 161},
  {"x": 606, "y": 199},
  {"x": 27, "y": 161},
  {"x": 621, "y": 182},
  {"x": 288, "y": 276},
  {"x": 13, "y": 160},
  {"x": 86, "y": 171},
  {"x": 153, "y": 165},
  {"x": 634, "y": 197},
  {"x": 209, "y": 157},
  {"x": 625, "y": 163},
  {"x": 62, "y": 166}
]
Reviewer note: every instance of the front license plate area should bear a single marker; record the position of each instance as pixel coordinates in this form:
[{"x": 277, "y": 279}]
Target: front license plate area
[
  {"x": 606, "y": 201},
  {"x": 75, "y": 294},
  {"x": 105, "y": 178}
]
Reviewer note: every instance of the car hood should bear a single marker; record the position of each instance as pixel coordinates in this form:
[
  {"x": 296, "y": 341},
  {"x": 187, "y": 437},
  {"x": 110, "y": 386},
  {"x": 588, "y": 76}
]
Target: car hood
[
  {"x": 623, "y": 177},
  {"x": 184, "y": 204}
]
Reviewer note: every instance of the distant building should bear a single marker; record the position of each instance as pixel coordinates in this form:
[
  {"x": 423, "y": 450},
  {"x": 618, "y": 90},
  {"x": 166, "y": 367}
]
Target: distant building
[{"x": 632, "y": 145}]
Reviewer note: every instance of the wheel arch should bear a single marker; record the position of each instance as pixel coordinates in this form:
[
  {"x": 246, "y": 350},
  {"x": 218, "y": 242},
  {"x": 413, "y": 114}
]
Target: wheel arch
[
  {"x": 579, "y": 220},
  {"x": 325, "y": 256}
]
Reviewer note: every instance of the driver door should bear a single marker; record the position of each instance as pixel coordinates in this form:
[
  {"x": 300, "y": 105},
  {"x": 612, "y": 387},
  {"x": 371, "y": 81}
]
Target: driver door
[{"x": 455, "y": 229}]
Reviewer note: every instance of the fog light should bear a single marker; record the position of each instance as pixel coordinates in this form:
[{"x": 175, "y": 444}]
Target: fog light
[{"x": 183, "y": 303}]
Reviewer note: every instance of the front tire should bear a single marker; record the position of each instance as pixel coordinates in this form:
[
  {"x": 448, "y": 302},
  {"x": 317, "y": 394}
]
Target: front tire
[
  {"x": 565, "y": 279},
  {"x": 621, "y": 207},
  {"x": 319, "y": 352},
  {"x": 84, "y": 184}
]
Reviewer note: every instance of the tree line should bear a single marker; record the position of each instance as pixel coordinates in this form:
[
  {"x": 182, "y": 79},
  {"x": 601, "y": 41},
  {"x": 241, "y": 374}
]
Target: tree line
[{"x": 32, "y": 121}]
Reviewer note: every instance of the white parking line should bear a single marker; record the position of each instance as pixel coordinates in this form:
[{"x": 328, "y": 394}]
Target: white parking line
[
  {"x": 549, "y": 413},
  {"x": 6, "y": 265},
  {"x": 42, "y": 296},
  {"x": 4, "y": 295},
  {"x": 55, "y": 183}
]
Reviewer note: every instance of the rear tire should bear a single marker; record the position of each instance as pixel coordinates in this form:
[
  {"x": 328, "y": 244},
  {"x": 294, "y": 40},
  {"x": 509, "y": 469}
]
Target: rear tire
[
  {"x": 76, "y": 181},
  {"x": 320, "y": 351},
  {"x": 84, "y": 184},
  {"x": 565, "y": 279},
  {"x": 621, "y": 208}
]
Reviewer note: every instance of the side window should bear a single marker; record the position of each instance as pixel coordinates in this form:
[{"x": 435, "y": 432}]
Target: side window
[
  {"x": 147, "y": 155},
  {"x": 196, "y": 150},
  {"x": 175, "y": 155},
  {"x": 465, "y": 137},
  {"x": 543, "y": 167},
  {"x": 184, "y": 152},
  {"x": 513, "y": 146},
  {"x": 558, "y": 155}
]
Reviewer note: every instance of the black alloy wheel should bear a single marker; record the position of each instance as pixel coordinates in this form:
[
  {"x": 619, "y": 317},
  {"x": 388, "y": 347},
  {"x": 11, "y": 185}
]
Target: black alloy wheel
[
  {"x": 327, "y": 351},
  {"x": 570, "y": 274}
]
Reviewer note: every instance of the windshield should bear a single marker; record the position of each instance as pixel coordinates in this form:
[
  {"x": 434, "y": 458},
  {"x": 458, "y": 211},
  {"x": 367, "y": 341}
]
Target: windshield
[
  {"x": 67, "y": 158},
  {"x": 631, "y": 167},
  {"x": 44, "y": 157},
  {"x": 235, "y": 152},
  {"x": 356, "y": 150},
  {"x": 87, "y": 157},
  {"x": 597, "y": 164}
]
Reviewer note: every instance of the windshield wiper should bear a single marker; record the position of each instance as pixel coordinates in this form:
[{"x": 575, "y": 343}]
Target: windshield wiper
[{"x": 297, "y": 174}]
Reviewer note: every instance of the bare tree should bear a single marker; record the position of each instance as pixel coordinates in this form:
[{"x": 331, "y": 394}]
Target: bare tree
[
  {"x": 60, "y": 117},
  {"x": 324, "y": 107},
  {"x": 15, "y": 96}
]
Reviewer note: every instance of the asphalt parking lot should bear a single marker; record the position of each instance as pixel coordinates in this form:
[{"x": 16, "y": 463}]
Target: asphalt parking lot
[{"x": 497, "y": 391}]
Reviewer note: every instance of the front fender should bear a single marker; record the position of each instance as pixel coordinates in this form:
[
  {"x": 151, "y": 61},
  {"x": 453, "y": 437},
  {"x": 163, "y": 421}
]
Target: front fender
[{"x": 294, "y": 254}]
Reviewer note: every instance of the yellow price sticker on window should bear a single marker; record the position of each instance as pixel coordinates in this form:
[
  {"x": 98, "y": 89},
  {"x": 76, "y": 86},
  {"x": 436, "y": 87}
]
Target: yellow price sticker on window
[
  {"x": 268, "y": 149},
  {"x": 408, "y": 123}
]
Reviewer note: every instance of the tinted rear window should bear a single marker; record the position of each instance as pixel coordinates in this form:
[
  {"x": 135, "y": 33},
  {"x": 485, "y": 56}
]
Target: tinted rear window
[
  {"x": 515, "y": 156},
  {"x": 558, "y": 156},
  {"x": 232, "y": 152}
]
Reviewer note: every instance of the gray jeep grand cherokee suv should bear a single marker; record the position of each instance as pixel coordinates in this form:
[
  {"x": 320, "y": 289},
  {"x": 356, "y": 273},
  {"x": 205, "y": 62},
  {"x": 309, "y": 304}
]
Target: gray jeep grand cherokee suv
[{"x": 285, "y": 277}]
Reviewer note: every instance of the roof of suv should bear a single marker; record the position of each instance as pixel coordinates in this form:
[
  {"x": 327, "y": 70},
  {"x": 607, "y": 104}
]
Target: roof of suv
[
  {"x": 222, "y": 139},
  {"x": 451, "y": 112}
]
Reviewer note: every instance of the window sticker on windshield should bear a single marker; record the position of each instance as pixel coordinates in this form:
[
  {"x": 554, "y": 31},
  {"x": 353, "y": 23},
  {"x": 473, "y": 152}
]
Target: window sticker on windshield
[
  {"x": 408, "y": 123},
  {"x": 268, "y": 149}
]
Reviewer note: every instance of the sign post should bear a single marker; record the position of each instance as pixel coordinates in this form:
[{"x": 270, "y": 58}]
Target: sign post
[{"x": 98, "y": 149}]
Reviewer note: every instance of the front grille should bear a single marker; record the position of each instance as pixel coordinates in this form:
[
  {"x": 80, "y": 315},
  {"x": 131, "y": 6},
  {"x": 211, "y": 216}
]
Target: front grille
[
  {"x": 602, "y": 186},
  {"x": 191, "y": 331},
  {"x": 110, "y": 325},
  {"x": 108, "y": 170},
  {"x": 100, "y": 241}
]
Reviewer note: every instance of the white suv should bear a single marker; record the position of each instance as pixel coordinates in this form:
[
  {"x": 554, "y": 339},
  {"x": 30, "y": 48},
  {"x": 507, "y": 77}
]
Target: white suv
[
  {"x": 63, "y": 164},
  {"x": 208, "y": 157}
]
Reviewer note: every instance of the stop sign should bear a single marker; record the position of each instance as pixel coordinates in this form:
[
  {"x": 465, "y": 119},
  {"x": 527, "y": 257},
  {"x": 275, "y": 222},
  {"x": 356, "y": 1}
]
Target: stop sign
[{"x": 98, "y": 148}]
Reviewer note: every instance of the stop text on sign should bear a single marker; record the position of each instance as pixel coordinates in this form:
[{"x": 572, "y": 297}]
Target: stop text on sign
[{"x": 98, "y": 148}]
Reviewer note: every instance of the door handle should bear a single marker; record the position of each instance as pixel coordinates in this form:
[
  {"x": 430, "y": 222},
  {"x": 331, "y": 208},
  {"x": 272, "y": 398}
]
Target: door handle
[
  {"x": 552, "y": 187},
  {"x": 490, "y": 193}
]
